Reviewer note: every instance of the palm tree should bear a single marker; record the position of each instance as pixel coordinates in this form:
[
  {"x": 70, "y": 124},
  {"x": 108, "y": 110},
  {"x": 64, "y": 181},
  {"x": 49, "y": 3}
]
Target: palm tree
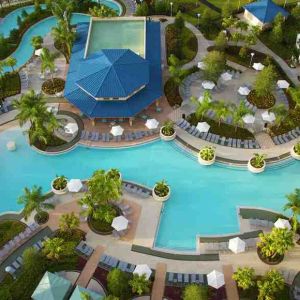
[
  {"x": 37, "y": 42},
  {"x": 65, "y": 37},
  {"x": 62, "y": 10},
  {"x": 53, "y": 248},
  {"x": 47, "y": 61},
  {"x": 222, "y": 110},
  {"x": 68, "y": 222},
  {"x": 203, "y": 106},
  {"x": 238, "y": 112},
  {"x": 11, "y": 62},
  {"x": 102, "y": 12},
  {"x": 281, "y": 114},
  {"x": 33, "y": 200},
  {"x": 294, "y": 205}
]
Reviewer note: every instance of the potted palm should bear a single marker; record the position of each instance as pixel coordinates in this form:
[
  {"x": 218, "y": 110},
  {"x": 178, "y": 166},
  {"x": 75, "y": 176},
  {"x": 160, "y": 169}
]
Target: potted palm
[
  {"x": 167, "y": 131},
  {"x": 207, "y": 155},
  {"x": 59, "y": 185},
  {"x": 257, "y": 163},
  {"x": 295, "y": 151},
  {"x": 161, "y": 191}
]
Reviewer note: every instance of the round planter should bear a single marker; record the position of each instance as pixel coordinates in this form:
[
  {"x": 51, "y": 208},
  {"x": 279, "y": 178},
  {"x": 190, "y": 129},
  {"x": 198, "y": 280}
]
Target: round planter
[
  {"x": 206, "y": 162},
  {"x": 255, "y": 170},
  {"x": 167, "y": 138},
  {"x": 294, "y": 154},
  {"x": 158, "y": 198},
  {"x": 58, "y": 192},
  {"x": 274, "y": 262},
  {"x": 43, "y": 220}
]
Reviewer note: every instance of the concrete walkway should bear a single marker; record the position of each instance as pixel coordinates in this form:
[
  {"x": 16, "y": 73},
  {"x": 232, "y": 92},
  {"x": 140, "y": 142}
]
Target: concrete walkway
[
  {"x": 230, "y": 285},
  {"x": 90, "y": 267},
  {"x": 159, "y": 282}
]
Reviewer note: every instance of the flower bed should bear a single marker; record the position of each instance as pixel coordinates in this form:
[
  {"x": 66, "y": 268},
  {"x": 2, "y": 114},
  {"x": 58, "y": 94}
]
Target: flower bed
[
  {"x": 51, "y": 87},
  {"x": 264, "y": 102}
]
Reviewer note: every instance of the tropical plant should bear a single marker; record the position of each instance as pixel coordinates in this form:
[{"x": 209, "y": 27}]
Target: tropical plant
[
  {"x": 221, "y": 41},
  {"x": 37, "y": 42},
  {"x": 47, "y": 61},
  {"x": 11, "y": 62},
  {"x": 111, "y": 297},
  {"x": 227, "y": 9},
  {"x": 33, "y": 200},
  {"x": 244, "y": 277},
  {"x": 294, "y": 202},
  {"x": 238, "y": 112},
  {"x": 222, "y": 110},
  {"x": 91, "y": 208},
  {"x": 161, "y": 188},
  {"x": 32, "y": 260},
  {"x": 68, "y": 222},
  {"x": 297, "y": 148},
  {"x": 258, "y": 160},
  {"x": 114, "y": 174},
  {"x": 265, "y": 81},
  {"x": 106, "y": 213},
  {"x": 140, "y": 284},
  {"x": 60, "y": 182},
  {"x": 175, "y": 69},
  {"x": 214, "y": 65},
  {"x": 195, "y": 292},
  {"x": 168, "y": 128},
  {"x": 53, "y": 248},
  {"x": 271, "y": 283},
  {"x": 207, "y": 153},
  {"x": 276, "y": 243},
  {"x": 117, "y": 283},
  {"x": 102, "y": 11},
  {"x": 62, "y": 10},
  {"x": 281, "y": 114},
  {"x": 295, "y": 95},
  {"x": 202, "y": 106}
]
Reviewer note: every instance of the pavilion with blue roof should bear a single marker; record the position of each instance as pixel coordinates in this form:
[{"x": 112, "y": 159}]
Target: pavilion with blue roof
[
  {"x": 114, "y": 83},
  {"x": 263, "y": 12}
]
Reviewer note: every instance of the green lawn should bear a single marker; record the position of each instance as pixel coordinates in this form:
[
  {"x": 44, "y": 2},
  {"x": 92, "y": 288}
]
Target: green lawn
[{"x": 9, "y": 229}]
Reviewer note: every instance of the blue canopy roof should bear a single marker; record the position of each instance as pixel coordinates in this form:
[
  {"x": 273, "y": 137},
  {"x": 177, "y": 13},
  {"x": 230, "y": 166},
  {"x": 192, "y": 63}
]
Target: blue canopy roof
[
  {"x": 265, "y": 10},
  {"x": 112, "y": 73},
  {"x": 152, "y": 77}
]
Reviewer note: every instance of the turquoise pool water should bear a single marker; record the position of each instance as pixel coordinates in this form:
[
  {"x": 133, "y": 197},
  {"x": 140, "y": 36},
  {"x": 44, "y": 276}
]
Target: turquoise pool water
[{"x": 204, "y": 199}]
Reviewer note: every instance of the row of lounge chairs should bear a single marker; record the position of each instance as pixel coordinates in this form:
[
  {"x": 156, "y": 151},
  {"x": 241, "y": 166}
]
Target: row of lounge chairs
[
  {"x": 261, "y": 223},
  {"x": 286, "y": 137},
  {"x": 250, "y": 106},
  {"x": 215, "y": 138},
  {"x": 108, "y": 262},
  {"x": 17, "y": 264},
  {"x": 95, "y": 136},
  {"x": 18, "y": 240},
  {"x": 184, "y": 279},
  {"x": 84, "y": 249},
  {"x": 136, "y": 189},
  {"x": 224, "y": 246},
  {"x": 185, "y": 87}
]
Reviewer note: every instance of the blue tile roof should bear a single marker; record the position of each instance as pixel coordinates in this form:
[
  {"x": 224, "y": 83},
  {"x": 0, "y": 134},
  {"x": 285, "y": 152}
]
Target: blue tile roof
[
  {"x": 115, "y": 68},
  {"x": 265, "y": 10}
]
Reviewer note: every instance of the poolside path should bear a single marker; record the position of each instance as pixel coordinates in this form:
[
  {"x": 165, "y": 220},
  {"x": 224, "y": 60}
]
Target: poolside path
[
  {"x": 230, "y": 285},
  {"x": 159, "y": 282},
  {"x": 264, "y": 140},
  {"x": 90, "y": 267}
]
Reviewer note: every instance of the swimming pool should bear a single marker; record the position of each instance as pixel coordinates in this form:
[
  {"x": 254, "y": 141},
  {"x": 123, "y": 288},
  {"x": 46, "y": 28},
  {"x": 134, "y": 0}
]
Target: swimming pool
[{"x": 204, "y": 199}]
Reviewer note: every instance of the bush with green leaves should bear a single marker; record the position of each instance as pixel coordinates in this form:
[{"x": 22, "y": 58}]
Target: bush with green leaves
[
  {"x": 140, "y": 284},
  {"x": 221, "y": 41},
  {"x": 68, "y": 223},
  {"x": 37, "y": 42},
  {"x": 293, "y": 199},
  {"x": 258, "y": 160},
  {"x": 117, "y": 284},
  {"x": 244, "y": 277},
  {"x": 168, "y": 128},
  {"x": 195, "y": 292},
  {"x": 214, "y": 65},
  {"x": 265, "y": 81},
  {"x": 142, "y": 9},
  {"x": 114, "y": 174},
  {"x": 161, "y": 188},
  {"x": 207, "y": 153},
  {"x": 60, "y": 182},
  {"x": 54, "y": 248}
]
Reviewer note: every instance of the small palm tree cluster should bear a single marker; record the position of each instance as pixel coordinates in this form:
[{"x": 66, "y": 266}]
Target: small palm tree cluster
[
  {"x": 207, "y": 153},
  {"x": 8, "y": 62},
  {"x": 161, "y": 188},
  {"x": 258, "y": 160},
  {"x": 168, "y": 128}
]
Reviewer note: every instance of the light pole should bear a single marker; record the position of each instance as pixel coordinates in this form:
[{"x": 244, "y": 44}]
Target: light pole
[
  {"x": 171, "y": 3},
  {"x": 252, "y": 54},
  {"x": 198, "y": 16}
]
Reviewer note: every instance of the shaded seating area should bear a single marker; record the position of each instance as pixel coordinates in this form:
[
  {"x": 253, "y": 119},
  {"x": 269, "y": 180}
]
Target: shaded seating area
[
  {"x": 223, "y": 247},
  {"x": 286, "y": 137},
  {"x": 108, "y": 262},
  {"x": 181, "y": 279},
  {"x": 215, "y": 138}
]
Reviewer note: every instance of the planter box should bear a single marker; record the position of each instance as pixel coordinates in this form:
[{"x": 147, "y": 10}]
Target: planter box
[
  {"x": 255, "y": 170},
  {"x": 206, "y": 162},
  {"x": 167, "y": 138},
  {"x": 158, "y": 198},
  {"x": 294, "y": 154},
  {"x": 58, "y": 192}
]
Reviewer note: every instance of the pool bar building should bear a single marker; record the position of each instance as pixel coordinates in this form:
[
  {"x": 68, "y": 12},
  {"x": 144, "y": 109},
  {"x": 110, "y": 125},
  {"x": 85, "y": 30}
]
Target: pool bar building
[{"x": 115, "y": 67}]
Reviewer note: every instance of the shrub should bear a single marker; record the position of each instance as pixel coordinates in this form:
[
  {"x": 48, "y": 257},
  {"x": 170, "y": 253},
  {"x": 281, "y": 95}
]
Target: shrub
[
  {"x": 265, "y": 81},
  {"x": 117, "y": 283},
  {"x": 195, "y": 292},
  {"x": 221, "y": 41},
  {"x": 244, "y": 278},
  {"x": 140, "y": 284},
  {"x": 9, "y": 229},
  {"x": 214, "y": 65},
  {"x": 161, "y": 188}
]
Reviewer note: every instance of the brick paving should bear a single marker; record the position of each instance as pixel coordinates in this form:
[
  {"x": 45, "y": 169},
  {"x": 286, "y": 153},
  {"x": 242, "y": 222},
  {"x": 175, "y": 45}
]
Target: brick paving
[
  {"x": 159, "y": 282},
  {"x": 230, "y": 285}
]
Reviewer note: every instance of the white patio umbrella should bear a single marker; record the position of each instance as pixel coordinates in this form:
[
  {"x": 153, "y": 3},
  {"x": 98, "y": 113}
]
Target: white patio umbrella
[
  {"x": 208, "y": 85},
  {"x": 268, "y": 117},
  {"x": 143, "y": 269},
  {"x": 215, "y": 279},
  {"x": 243, "y": 90},
  {"x": 258, "y": 66},
  {"x": 74, "y": 185},
  {"x": 203, "y": 127},
  {"x": 248, "y": 119},
  {"x": 38, "y": 52},
  {"x": 226, "y": 76},
  {"x": 152, "y": 124},
  {"x": 282, "y": 223},
  {"x": 117, "y": 130},
  {"x": 71, "y": 128},
  {"x": 119, "y": 223},
  {"x": 201, "y": 65},
  {"x": 237, "y": 245},
  {"x": 283, "y": 84}
]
